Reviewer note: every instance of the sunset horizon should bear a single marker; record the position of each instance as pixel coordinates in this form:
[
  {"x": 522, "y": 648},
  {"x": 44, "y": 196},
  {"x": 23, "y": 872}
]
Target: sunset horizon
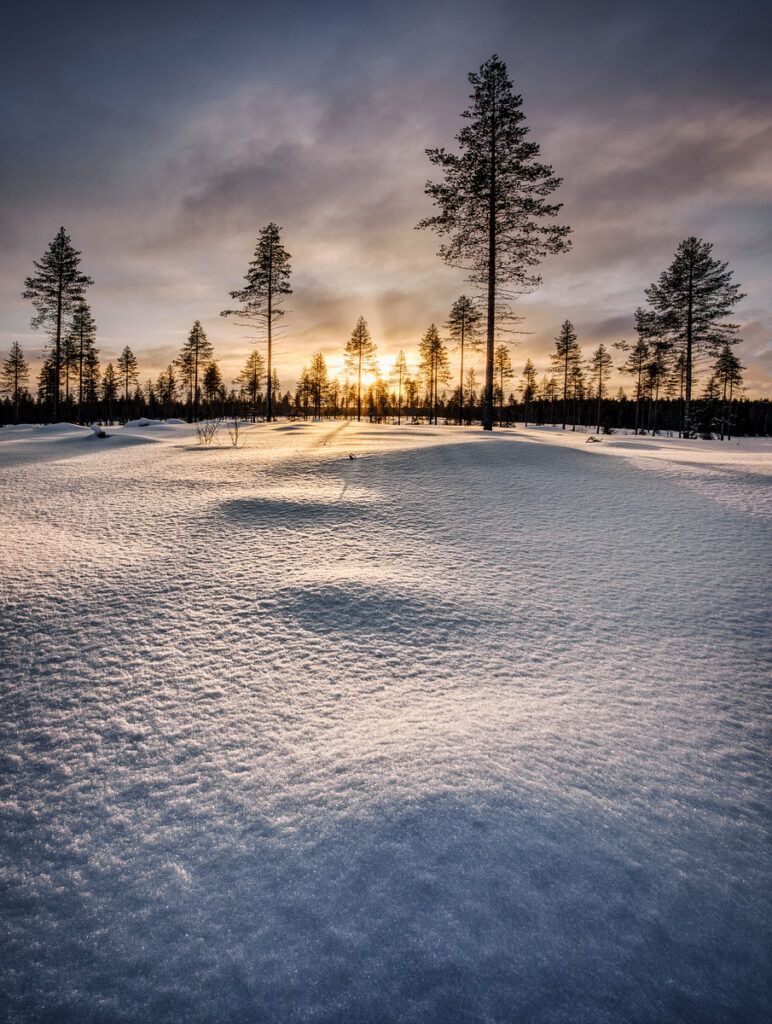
[{"x": 164, "y": 190}]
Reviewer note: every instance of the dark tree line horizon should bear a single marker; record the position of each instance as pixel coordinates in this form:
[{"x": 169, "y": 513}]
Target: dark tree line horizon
[{"x": 494, "y": 214}]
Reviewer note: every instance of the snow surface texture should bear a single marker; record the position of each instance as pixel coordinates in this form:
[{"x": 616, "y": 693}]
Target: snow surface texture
[{"x": 466, "y": 728}]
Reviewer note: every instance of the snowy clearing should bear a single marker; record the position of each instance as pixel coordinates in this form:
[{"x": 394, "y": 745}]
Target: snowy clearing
[{"x": 464, "y": 728}]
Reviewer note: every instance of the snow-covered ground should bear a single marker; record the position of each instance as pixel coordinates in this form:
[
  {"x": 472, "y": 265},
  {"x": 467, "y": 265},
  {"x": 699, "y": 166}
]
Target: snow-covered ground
[{"x": 466, "y": 728}]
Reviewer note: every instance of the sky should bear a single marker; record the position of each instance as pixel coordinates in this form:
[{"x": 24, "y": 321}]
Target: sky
[{"x": 163, "y": 136}]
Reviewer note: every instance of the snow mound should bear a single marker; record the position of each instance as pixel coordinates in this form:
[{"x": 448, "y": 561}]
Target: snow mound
[{"x": 469, "y": 728}]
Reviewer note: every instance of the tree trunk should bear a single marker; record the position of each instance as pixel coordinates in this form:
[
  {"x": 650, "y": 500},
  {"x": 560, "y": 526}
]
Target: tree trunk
[
  {"x": 57, "y": 361},
  {"x": 359, "y": 388},
  {"x": 565, "y": 389},
  {"x": 689, "y": 343},
  {"x": 461, "y": 376},
  {"x": 195, "y": 385},
  {"x": 600, "y": 399},
  {"x": 488, "y": 403},
  {"x": 269, "y": 382},
  {"x": 80, "y": 376}
]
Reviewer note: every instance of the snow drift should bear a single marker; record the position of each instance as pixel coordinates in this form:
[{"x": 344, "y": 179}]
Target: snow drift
[{"x": 471, "y": 729}]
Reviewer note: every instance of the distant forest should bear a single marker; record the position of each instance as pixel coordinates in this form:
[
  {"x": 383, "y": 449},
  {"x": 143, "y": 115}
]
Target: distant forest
[{"x": 495, "y": 217}]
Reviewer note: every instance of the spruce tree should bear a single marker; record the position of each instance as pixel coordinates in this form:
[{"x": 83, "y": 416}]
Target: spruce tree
[
  {"x": 91, "y": 377},
  {"x": 434, "y": 366},
  {"x": 691, "y": 300},
  {"x": 494, "y": 200},
  {"x": 548, "y": 392},
  {"x": 727, "y": 372},
  {"x": 360, "y": 356},
  {"x": 55, "y": 289},
  {"x": 14, "y": 377},
  {"x": 463, "y": 325},
  {"x": 471, "y": 393},
  {"x": 399, "y": 375},
  {"x": 637, "y": 358},
  {"x": 109, "y": 390},
  {"x": 528, "y": 388},
  {"x": 47, "y": 381},
  {"x": 707, "y": 413},
  {"x": 82, "y": 331},
  {"x": 565, "y": 359},
  {"x": 261, "y": 299},
  {"x": 303, "y": 393},
  {"x": 166, "y": 388},
  {"x": 576, "y": 388},
  {"x": 212, "y": 383},
  {"x": 318, "y": 380},
  {"x": 250, "y": 380},
  {"x": 600, "y": 366},
  {"x": 128, "y": 371},
  {"x": 195, "y": 354},
  {"x": 502, "y": 368}
]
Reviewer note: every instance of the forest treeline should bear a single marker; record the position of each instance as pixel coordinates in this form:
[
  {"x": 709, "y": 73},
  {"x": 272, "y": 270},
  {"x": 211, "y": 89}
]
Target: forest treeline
[{"x": 494, "y": 214}]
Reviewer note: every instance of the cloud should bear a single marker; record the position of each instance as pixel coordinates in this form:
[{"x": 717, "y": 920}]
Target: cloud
[{"x": 166, "y": 170}]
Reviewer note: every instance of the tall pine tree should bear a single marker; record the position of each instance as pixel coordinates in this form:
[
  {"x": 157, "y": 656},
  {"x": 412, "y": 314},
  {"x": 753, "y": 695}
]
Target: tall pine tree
[
  {"x": 399, "y": 376},
  {"x": 360, "y": 356},
  {"x": 728, "y": 374},
  {"x": 494, "y": 200},
  {"x": 691, "y": 300},
  {"x": 195, "y": 354},
  {"x": 600, "y": 366},
  {"x": 463, "y": 325},
  {"x": 318, "y": 380},
  {"x": 528, "y": 389},
  {"x": 82, "y": 332},
  {"x": 250, "y": 380},
  {"x": 55, "y": 288},
  {"x": 435, "y": 366},
  {"x": 109, "y": 390},
  {"x": 503, "y": 371},
  {"x": 566, "y": 357},
  {"x": 261, "y": 299},
  {"x": 128, "y": 371},
  {"x": 637, "y": 358}
]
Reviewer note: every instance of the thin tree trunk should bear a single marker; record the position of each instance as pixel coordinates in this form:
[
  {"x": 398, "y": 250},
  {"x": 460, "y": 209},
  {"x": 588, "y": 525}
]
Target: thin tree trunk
[
  {"x": 600, "y": 399},
  {"x": 80, "y": 376},
  {"x": 269, "y": 382},
  {"x": 488, "y": 404},
  {"x": 461, "y": 376},
  {"x": 359, "y": 388},
  {"x": 57, "y": 370},
  {"x": 195, "y": 385},
  {"x": 689, "y": 343}
]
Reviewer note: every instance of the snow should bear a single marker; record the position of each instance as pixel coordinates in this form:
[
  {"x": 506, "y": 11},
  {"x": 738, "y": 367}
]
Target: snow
[{"x": 466, "y": 728}]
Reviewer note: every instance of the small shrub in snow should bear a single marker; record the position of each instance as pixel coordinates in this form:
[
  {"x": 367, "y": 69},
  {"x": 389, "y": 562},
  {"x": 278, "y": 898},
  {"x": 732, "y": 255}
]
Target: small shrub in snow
[
  {"x": 206, "y": 431},
  {"x": 234, "y": 432}
]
